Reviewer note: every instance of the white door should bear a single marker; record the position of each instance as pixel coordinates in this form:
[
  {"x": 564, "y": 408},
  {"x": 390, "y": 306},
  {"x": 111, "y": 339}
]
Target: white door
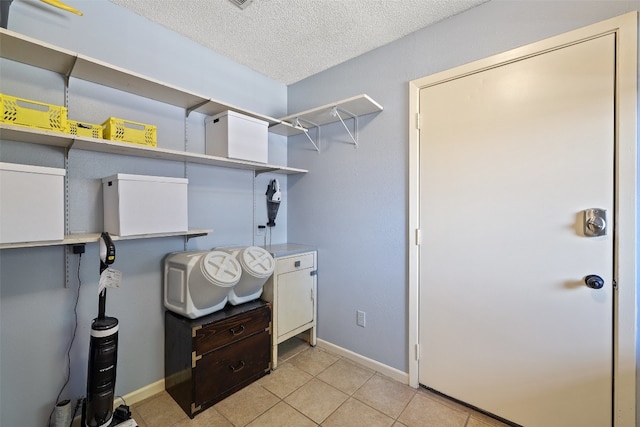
[{"x": 510, "y": 158}]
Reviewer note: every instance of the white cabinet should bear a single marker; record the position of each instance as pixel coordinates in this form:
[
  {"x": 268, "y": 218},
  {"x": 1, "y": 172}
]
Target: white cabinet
[{"x": 292, "y": 293}]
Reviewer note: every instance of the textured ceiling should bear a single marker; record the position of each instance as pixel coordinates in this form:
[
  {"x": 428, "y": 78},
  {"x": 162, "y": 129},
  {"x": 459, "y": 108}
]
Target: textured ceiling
[{"x": 288, "y": 40}]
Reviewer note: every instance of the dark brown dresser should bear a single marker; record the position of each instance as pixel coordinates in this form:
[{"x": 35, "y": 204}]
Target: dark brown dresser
[{"x": 208, "y": 359}]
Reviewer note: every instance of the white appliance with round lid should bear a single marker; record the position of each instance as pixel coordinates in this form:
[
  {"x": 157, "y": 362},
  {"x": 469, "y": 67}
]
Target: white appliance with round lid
[
  {"x": 257, "y": 266},
  {"x": 197, "y": 283}
]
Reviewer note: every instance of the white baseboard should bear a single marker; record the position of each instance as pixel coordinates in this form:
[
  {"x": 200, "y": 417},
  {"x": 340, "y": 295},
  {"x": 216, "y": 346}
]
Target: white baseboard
[
  {"x": 386, "y": 370},
  {"x": 158, "y": 386},
  {"x": 131, "y": 398},
  {"x": 142, "y": 393}
]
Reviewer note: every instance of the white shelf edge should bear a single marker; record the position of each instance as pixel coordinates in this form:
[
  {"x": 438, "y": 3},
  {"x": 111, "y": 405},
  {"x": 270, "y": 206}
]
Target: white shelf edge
[
  {"x": 59, "y": 139},
  {"x": 99, "y": 72},
  {"x": 359, "y": 105},
  {"x": 286, "y": 129},
  {"x": 35, "y": 136},
  {"x": 195, "y": 232},
  {"x": 213, "y": 107},
  {"x": 74, "y": 239},
  {"x": 20, "y": 48}
]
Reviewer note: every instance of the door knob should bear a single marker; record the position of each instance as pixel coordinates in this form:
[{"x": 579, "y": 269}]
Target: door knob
[
  {"x": 593, "y": 281},
  {"x": 596, "y": 224}
]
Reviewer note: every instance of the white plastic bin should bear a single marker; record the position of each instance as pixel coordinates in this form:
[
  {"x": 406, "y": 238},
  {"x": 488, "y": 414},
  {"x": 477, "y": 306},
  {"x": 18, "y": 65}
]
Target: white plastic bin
[
  {"x": 197, "y": 283},
  {"x": 141, "y": 204},
  {"x": 31, "y": 203},
  {"x": 257, "y": 266},
  {"x": 236, "y": 136}
]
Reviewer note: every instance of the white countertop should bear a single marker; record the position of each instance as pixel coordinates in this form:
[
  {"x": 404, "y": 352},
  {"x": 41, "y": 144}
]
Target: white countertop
[{"x": 286, "y": 249}]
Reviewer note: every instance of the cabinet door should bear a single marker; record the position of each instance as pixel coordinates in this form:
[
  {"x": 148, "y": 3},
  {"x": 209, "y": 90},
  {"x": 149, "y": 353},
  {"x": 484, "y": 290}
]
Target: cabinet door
[{"x": 295, "y": 300}]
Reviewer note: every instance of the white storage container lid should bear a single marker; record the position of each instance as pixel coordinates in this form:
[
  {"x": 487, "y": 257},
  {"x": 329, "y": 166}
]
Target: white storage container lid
[
  {"x": 257, "y": 261},
  {"x": 237, "y": 115},
  {"x": 16, "y": 167},
  {"x": 221, "y": 268},
  {"x": 130, "y": 177}
]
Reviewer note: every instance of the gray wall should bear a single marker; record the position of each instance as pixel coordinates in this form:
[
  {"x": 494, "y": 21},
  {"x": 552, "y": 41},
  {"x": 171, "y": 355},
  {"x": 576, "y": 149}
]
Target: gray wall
[
  {"x": 36, "y": 310},
  {"x": 353, "y": 204}
]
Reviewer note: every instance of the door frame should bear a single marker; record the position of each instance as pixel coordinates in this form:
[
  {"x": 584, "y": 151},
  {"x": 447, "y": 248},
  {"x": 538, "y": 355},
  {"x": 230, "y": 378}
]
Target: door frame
[{"x": 626, "y": 199}]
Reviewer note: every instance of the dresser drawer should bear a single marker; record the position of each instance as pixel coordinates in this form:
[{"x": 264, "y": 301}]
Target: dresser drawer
[
  {"x": 293, "y": 263},
  {"x": 225, "y": 332},
  {"x": 230, "y": 368}
]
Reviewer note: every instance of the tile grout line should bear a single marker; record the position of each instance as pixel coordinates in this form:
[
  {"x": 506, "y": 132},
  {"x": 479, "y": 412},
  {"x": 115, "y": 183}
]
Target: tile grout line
[
  {"x": 313, "y": 365},
  {"x": 349, "y": 395},
  {"x": 352, "y": 395}
]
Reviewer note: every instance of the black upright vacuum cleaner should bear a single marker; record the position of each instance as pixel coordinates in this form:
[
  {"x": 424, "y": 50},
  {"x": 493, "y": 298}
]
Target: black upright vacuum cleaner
[{"x": 97, "y": 409}]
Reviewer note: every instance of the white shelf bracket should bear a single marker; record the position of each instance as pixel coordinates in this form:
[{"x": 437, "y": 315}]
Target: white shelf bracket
[
  {"x": 297, "y": 123},
  {"x": 263, "y": 170},
  {"x": 335, "y": 112},
  {"x": 195, "y": 107},
  {"x": 67, "y": 75}
]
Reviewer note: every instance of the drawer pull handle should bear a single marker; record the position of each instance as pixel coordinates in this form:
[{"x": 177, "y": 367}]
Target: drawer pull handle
[
  {"x": 238, "y": 368},
  {"x": 237, "y": 331},
  {"x": 296, "y": 264}
]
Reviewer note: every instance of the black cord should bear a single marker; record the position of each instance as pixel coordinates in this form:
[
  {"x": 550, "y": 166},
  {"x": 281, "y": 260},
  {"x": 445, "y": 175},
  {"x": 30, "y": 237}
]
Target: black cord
[
  {"x": 73, "y": 337},
  {"x": 75, "y": 411}
]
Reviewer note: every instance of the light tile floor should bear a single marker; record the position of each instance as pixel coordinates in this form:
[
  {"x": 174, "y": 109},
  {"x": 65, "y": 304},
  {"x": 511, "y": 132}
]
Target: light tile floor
[{"x": 313, "y": 387}]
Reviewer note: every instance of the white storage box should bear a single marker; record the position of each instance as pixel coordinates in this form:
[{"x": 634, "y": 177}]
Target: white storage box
[
  {"x": 236, "y": 136},
  {"x": 140, "y": 204},
  {"x": 31, "y": 203}
]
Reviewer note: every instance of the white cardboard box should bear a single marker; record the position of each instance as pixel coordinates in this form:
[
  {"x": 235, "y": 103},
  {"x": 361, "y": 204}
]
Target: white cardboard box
[
  {"x": 141, "y": 204},
  {"x": 31, "y": 203},
  {"x": 236, "y": 136}
]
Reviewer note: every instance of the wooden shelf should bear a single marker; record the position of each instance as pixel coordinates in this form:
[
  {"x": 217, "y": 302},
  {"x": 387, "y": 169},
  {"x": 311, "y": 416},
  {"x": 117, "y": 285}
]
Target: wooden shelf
[
  {"x": 59, "y": 139},
  {"x": 74, "y": 239}
]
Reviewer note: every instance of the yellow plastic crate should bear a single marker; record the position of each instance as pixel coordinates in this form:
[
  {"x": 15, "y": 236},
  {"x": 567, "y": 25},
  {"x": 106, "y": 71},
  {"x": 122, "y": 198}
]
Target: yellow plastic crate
[
  {"x": 33, "y": 114},
  {"x": 84, "y": 129},
  {"x": 122, "y": 130}
]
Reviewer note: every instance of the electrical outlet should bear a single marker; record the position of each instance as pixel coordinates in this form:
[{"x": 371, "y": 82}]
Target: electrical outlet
[
  {"x": 78, "y": 249},
  {"x": 362, "y": 318}
]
